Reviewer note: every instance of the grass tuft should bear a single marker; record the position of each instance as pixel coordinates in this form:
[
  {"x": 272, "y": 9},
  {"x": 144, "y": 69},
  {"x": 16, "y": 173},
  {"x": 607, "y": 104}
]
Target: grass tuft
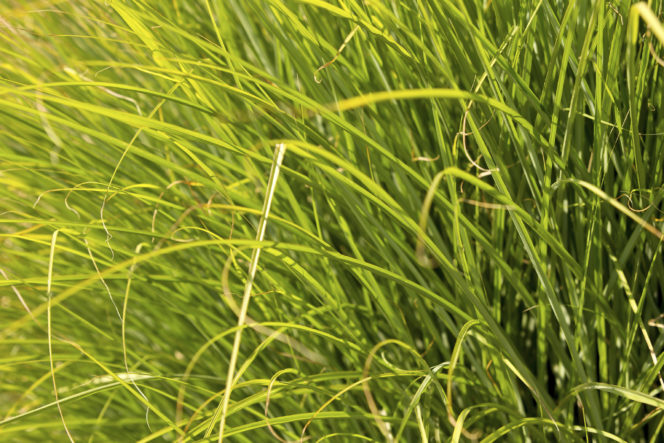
[{"x": 464, "y": 238}]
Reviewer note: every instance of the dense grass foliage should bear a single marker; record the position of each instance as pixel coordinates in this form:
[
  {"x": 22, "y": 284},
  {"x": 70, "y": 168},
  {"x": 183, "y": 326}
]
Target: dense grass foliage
[{"x": 339, "y": 220}]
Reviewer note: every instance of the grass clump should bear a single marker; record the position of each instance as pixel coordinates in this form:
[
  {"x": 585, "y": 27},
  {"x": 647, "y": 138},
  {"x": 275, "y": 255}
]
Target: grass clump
[{"x": 331, "y": 220}]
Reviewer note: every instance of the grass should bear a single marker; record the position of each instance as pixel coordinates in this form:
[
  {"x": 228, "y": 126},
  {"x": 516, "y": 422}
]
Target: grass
[{"x": 331, "y": 220}]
